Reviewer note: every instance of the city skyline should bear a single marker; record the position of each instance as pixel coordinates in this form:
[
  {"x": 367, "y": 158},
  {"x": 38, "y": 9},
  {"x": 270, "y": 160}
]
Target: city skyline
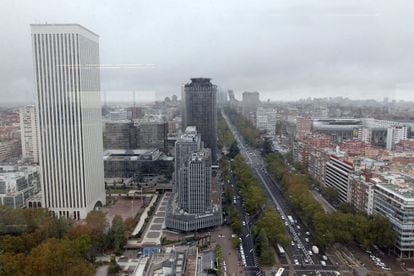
[{"x": 206, "y": 137}]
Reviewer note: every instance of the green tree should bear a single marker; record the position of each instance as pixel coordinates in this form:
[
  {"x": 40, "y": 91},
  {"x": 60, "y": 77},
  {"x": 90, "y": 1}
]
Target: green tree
[
  {"x": 380, "y": 231},
  {"x": 118, "y": 231},
  {"x": 360, "y": 230},
  {"x": 267, "y": 147},
  {"x": 265, "y": 252},
  {"x": 329, "y": 193},
  {"x": 272, "y": 225},
  {"x": 234, "y": 150}
]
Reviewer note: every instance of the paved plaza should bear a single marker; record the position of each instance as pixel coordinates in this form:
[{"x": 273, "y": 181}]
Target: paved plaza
[
  {"x": 155, "y": 228},
  {"x": 125, "y": 208}
]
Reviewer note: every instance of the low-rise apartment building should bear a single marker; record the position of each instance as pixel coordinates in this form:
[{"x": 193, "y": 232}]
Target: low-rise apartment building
[{"x": 361, "y": 192}]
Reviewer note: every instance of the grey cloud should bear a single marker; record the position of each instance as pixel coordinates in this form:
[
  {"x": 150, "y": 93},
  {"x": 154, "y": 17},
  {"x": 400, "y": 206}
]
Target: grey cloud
[{"x": 292, "y": 48}]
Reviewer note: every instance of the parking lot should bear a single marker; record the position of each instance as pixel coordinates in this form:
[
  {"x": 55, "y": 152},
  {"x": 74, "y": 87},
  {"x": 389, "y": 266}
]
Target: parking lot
[
  {"x": 222, "y": 236},
  {"x": 375, "y": 260}
]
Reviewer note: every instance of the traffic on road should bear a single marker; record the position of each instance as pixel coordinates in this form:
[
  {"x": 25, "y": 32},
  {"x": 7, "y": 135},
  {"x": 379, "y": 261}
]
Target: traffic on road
[{"x": 302, "y": 252}]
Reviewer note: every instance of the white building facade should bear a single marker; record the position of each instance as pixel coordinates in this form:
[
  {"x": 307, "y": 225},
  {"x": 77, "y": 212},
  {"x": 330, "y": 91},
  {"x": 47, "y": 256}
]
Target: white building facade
[
  {"x": 66, "y": 69},
  {"x": 28, "y": 131},
  {"x": 394, "y": 199},
  {"x": 336, "y": 176},
  {"x": 365, "y": 134},
  {"x": 395, "y": 134},
  {"x": 266, "y": 120}
]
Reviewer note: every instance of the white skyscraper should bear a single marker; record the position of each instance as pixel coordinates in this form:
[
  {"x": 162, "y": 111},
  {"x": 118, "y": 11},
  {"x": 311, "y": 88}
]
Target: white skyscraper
[
  {"x": 66, "y": 69},
  {"x": 28, "y": 131}
]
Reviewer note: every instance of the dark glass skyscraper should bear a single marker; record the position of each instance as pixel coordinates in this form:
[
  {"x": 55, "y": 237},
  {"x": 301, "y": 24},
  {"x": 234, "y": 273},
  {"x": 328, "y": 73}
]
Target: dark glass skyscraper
[{"x": 200, "y": 110}]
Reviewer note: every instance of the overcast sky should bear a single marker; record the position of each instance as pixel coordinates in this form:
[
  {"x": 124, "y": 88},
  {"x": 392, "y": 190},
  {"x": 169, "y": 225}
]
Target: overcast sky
[{"x": 285, "y": 49}]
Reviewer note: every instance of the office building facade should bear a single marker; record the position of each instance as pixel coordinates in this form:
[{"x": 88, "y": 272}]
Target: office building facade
[
  {"x": 188, "y": 143},
  {"x": 66, "y": 70},
  {"x": 192, "y": 207},
  {"x": 152, "y": 132},
  {"x": 137, "y": 163},
  {"x": 120, "y": 135},
  {"x": 200, "y": 110},
  {"x": 250, "y": 102}
]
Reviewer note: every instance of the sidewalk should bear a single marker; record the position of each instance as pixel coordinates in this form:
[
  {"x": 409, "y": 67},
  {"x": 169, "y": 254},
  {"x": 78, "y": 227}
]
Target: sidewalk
[
  {"x": 144, "y": 216},
  {"x": 325, "y": 204}
]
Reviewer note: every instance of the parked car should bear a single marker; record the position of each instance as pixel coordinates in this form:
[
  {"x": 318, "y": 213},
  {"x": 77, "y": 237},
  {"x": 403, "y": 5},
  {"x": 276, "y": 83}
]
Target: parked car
[{"x": 296, "y": 262}]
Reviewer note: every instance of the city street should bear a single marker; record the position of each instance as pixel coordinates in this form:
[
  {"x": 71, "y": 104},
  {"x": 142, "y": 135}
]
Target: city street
[
  {"x": 251, "y": 267},
  {"x": 300, "y": 252}
]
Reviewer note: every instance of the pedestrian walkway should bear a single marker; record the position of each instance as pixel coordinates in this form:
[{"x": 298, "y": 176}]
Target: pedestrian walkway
[
  {"x": 325, "y": 204},
  {"x": 144, "y": 216},
  {"x": 154, "y": 231}
]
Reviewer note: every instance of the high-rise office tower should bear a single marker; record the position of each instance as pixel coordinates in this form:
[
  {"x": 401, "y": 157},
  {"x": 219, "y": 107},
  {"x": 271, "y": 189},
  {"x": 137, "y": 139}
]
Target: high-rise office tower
[
  {"x": 28, "y": 132},
  {"x": 250, "y": 102},
  {"x": 221, "y": 97},
  {"x": 193, "y": 206},
  {"x": 66, "y": 69},
  {"x": 198, "y": 172},
  {"x": 200, "y": 110},
  {"x": 187, "y": 144}
]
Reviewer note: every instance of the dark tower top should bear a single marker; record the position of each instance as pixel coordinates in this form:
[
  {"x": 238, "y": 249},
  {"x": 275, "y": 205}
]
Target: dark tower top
[{"x": 200, "y": 110}]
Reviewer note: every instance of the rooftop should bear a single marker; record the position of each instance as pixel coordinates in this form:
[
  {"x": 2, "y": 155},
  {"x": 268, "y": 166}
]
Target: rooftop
[
  {"x": 190, "y": 134},
  {"x": 350, "y": 123},
  {"x": 200, "y": 82},
  {"x": 16, "y": 171},
  {"x": 132, "y": 155},
  {"x": 396, "y": 182},
  {"x": 63, "y": 28}
]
